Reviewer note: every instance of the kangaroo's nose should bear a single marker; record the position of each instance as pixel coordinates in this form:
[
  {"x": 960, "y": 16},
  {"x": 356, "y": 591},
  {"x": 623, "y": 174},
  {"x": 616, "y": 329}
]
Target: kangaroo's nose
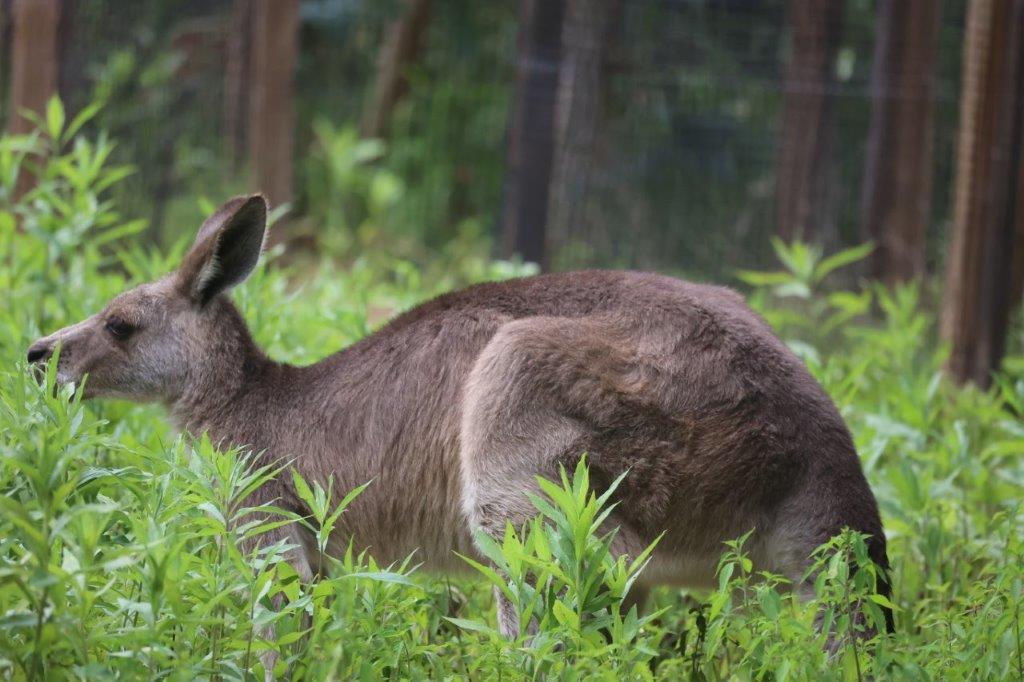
[{"x": 39, "y": 352}]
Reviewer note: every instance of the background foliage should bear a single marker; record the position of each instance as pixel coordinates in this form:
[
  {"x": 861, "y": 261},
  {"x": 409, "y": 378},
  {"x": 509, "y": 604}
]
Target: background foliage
[
  {"x": 119, "y": 540},
  {"x": 686, "y": 152}
]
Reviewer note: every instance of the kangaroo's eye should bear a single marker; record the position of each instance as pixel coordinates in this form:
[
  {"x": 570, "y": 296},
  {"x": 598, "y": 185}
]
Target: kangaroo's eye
[{"x": 118, "y": 328}]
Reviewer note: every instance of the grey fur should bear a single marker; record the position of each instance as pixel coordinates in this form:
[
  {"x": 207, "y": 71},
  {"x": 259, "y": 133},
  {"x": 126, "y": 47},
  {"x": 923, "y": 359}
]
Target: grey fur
[{"x": 454, "y": 407}]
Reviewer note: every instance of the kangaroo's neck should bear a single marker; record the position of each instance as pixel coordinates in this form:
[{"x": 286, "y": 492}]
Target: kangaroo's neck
[{"x": 233, "y": 385}]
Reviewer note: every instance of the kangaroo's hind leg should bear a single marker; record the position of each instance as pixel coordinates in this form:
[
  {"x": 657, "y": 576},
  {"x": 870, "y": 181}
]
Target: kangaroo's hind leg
[
  {"x": 803, "y": 523},
  {"x": 534, "y": 400}
]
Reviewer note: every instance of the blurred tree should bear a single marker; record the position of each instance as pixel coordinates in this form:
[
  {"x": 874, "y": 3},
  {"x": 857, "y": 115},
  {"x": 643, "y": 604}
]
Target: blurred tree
[
  {"x": 1017, "y": 255},
  {"x": 237, "y": 75},
  {"x": 579, "y": 116},
  {"x": 804, "y": 179},
  {"x": 402, "y": 42},
  {"x": 531, "y": 131},
  {"x": 72, "y": 76},
  {"x": 985, "y": 256},
  {"x": 34, "y": 59},
  {"x": 897, "y": 189},
  {"x": 35, "y": 62},
  {"x": 271, "y": 134},
  {"x": 158, "y": 70},
  {"x": 3, "y": 51}
]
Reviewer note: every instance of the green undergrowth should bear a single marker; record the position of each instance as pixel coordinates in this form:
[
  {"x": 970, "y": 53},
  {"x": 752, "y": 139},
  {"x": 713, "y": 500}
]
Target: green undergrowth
[{"x": 121, "y": 543}]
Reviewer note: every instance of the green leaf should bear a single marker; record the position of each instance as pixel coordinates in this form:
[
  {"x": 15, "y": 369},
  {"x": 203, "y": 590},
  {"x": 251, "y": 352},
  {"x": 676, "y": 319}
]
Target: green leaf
[
  {"x": 54, "y": 118},
  {"x": 844, "y": 257},
  {"x": 303, "y": 490},
  {"x": 490, "y": 574},
  {"x": 793, "y": 289},
  {"x": 291, "y": 637},
  {"x": 83, "y": 117},
  {"x": 763, "y": 279},
  {"x": 471, "y": 625},
  {"x": 384, "y": 577},
  {"x": 347, "y": 500}
]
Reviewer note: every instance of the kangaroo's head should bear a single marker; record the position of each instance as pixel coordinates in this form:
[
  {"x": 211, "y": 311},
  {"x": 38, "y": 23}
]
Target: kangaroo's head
[{"x": 162, "y": 339}]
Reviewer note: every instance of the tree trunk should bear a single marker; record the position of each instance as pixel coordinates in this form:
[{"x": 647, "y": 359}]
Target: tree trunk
[
  {"x": 73, "y": 55},
  {"x": 271, "y": 133},
  {"x": 532, "y": 130},
  {"x": 803, "y": 184},
  {"x": 237, "y": 80},
  {"x": 988, "y": 224},
  {"x": 35, "y": 68},
  {"x": 34, "y": 60},
  {"x": 896, "y": 200},
  {"x": 402, "y": 43},
  {"x": 580, "y": 108},
  {"x": 1017, "y": 256},
  {"x": 5, "y": 43}
]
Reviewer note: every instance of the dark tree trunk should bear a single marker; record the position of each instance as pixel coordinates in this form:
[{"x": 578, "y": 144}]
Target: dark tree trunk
[
  {"x": 897, "y": 190},
  {"x": 988, "y": 224},
  {"x": 580, "y": 109},
  {"x": 35, "y": 67},
  {"x": 1017, "y": 257},
  {"x": 271, "y": 134},
  {"x": 237, "y": 80},
  {"x": 35, "y": 60},
  {"x": 532, "y": 130},
  {"x": 401, "y": 47},
  {"x": 72, "y": 69},
  {"x": 805, "y": 168}
]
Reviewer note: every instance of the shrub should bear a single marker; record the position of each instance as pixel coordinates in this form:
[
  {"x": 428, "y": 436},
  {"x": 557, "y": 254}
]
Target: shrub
[{"x": 121, "y": 543}]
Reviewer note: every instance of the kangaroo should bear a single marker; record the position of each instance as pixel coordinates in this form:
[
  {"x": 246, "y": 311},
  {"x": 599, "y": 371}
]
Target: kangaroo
[{"x": 456, "y": 406}]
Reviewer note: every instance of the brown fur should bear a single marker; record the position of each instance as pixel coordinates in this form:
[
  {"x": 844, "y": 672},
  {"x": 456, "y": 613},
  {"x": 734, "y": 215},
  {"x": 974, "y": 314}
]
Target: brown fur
[{"x": 453, "y": 408}]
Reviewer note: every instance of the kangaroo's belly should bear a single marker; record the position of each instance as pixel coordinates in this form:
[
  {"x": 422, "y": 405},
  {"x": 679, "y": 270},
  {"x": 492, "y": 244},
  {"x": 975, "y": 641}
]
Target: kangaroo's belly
[
  {"x": 433, "y": 548},
  {"x": 409, "y": 510}
]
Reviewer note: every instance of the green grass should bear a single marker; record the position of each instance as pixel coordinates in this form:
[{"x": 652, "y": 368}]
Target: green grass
[{"x": 120, "y": 541}]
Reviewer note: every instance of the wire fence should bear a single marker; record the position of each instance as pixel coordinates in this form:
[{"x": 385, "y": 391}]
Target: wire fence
[{"x": 667, "y": 144}]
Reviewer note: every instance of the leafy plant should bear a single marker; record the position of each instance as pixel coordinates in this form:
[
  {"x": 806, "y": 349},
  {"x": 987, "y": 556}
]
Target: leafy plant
[
  {"x": 793, "y": 299},
  {"x": 349, "y": 191},
  {"x": 127, "y": 551},
  {"x": 564, "y": 581}
]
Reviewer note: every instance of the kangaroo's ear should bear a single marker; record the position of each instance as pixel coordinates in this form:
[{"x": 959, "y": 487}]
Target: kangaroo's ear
[{"x": 226, "y": 249}]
